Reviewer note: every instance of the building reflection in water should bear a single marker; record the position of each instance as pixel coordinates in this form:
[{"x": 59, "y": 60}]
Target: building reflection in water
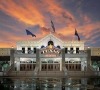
[{"x": 49, "y": 84}]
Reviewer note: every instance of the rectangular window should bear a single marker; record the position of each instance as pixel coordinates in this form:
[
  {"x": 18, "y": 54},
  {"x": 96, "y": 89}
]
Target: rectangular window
[
  {"x": 29, "y": 49},
  {"x": 23, "y": 49},
  {"x": 71, "y": 50},
  {"x": 77, "y": 50},
  {"x": 66, "y": 50},
  {"x": 34, "y": 50}
]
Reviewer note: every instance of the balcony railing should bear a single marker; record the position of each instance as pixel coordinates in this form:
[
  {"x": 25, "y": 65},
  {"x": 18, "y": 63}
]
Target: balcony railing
[
  {"x": 24, "y": 52},
  {"x": 79, "y": 52}
]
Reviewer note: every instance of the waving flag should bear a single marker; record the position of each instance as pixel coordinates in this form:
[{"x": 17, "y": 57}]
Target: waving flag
[
  {"x": 30, "y": 33},
  {"x": 77, "y": 35},
  {"x": 52, "y": 26}
]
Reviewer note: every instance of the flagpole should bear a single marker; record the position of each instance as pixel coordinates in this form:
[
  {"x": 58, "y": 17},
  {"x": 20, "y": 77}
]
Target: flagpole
[{"x": 52, "y": 24}]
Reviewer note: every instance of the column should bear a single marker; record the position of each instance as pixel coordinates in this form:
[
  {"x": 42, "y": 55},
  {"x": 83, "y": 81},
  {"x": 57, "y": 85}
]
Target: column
[
  {"x": 32, "y": 50},
  {"x": 38, "y": 58},
  {"x": 63, "y": 57},
  {"x": 12, "y": 57},
  {"x": 26, "y": 49},
  {"x": 68, "y": 49},
  {"x": 74, "y": 48},
  {"x": 17, "y": 59},
  {"x": 83, "y": 64},
  {"x": 60, "y": 65},
  {"x": 88, "y": 57},
  {"x": 40, "y": 65}
]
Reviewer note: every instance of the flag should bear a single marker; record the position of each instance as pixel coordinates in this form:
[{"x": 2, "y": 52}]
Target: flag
[
  {"x": 52, "y": 26},
  {"x": 30, "y": 33},
  {"x": 77, "y": 35}
]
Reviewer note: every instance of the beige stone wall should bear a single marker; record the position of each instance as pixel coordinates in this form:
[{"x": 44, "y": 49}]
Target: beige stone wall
[
  {"x": 95, "y": 51},
  {"x": 5, "y": 51}
]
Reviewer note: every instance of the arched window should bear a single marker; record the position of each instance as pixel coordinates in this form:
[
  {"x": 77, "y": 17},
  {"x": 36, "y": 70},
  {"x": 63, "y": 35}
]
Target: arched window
[
  {"x": 50, "y": 43},
  {"x": 58, "y": 47},
  {"x": 50, "y": 61},
  {"x": 42, "y": 46}
]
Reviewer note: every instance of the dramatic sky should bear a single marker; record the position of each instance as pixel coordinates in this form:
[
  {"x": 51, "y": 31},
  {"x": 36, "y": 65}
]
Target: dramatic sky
[{"x": 36, "y": 16}]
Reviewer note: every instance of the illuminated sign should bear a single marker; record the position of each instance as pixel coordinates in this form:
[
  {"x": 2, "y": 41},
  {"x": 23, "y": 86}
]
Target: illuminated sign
[{"x": 50, "y": 52}]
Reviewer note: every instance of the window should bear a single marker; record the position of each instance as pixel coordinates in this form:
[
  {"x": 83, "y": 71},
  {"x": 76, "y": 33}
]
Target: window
[
  {"x": 23, "y": 49},
  {"x": 34, "y": 50},
  {"x": 71, "y": 50},
  {"x": 58, "y": 47},
  {"x": 42, "y": 46},
  {"x": 50, "y": 43},
  {"x": 50, "y": 61},
  {"x": 77, "y": 50},
  {"x": 66, "y": 50},
  {"x": 29, "y": 49}
]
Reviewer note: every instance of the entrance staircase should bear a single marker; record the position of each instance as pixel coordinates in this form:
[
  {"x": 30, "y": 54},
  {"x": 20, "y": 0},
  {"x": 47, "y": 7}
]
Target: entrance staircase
[{"x": 55, "y": 74}]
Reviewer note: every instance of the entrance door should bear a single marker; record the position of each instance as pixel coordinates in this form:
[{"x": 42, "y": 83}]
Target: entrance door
[
  {"x": 56, "y": 67},
  {"x": 50, "y": 65}
]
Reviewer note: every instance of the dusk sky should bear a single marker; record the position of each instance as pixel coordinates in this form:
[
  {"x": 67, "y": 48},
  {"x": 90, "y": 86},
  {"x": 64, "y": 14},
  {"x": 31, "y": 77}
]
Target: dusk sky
[{"x": 36, "y": 16}]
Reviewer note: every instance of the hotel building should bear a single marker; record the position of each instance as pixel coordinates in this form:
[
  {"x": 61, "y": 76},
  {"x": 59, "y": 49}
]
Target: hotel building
[{"x": 51, "y": 57}]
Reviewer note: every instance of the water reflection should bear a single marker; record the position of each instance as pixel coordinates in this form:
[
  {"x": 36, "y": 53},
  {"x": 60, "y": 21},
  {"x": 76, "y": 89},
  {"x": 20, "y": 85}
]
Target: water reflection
[
  {"x": 50, "y": 84},
  {"x": 55, "y": 88}
]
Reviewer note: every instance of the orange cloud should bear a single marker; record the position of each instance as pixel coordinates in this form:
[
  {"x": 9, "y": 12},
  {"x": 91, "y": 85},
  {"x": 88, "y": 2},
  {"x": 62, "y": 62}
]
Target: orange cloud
[
  {"x": 33, "y": 12},
  {"x": 27, "y": 13}
]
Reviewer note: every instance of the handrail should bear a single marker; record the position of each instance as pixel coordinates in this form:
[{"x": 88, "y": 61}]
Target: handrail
[
  {"x": 90, "y": 68},
  {"x": 8, "y": 69}
]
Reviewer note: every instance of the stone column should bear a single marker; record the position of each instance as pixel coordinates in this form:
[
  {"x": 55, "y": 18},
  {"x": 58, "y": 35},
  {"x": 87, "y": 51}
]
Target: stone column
[
  {"x": 26, "y": 49},
  {"x": 83, "y": 64},
  {"x": 60, "y": 65},
  {"x": 40, "y": 65},
  {"x": 68, "y": 49},
  {"x": 31, "y": 48},
  {"x": 74, "y": 48},
  {"x": 88, "y": 57},
  {"x": 63, "y": 57},
  {"x": 38, "y": 58},
  {"x": 17, "y": 59},
  {"x": 12, "y": 51}
]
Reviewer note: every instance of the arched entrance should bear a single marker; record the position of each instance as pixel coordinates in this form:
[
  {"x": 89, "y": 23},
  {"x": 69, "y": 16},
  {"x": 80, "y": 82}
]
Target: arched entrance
[{"x": 50, "y": 65}]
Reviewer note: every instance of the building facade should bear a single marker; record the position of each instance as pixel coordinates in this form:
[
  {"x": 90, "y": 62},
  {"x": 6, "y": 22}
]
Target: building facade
[
  {"x": 50, "y": 54},
  {"x": 50, "y": 58}
]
